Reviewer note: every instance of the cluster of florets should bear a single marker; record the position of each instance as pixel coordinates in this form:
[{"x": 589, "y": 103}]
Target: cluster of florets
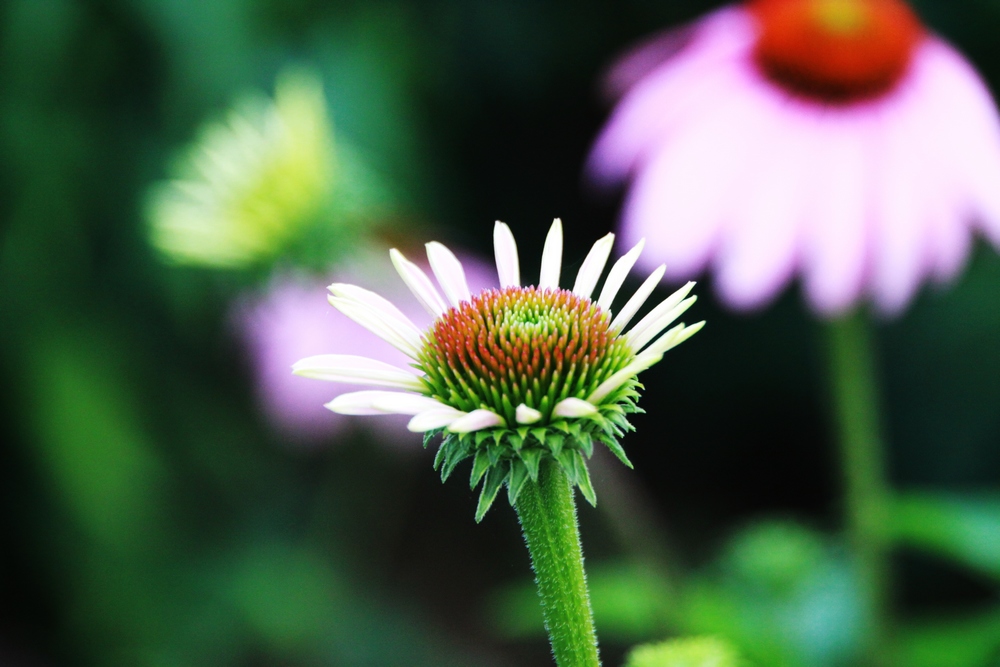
[{"x": 520, "y": 352}]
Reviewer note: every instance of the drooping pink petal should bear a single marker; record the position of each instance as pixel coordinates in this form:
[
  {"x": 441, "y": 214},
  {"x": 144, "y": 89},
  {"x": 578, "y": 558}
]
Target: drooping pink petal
[
  {"x": 967, "y": 120},
  {"x": 672, "y": 92},
  {"x": 835, "y": 238},
  {"x": 758, "y": 248},
  {"x": 899, "y": 240},
  {"x": 678, "y": 199}
]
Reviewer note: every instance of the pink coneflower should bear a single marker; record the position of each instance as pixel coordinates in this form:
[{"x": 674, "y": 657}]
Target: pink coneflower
[
  {"x": 837, "y": 139},
  {"x": 515, "y": 375},
  {"x": 292, "y": 320}
]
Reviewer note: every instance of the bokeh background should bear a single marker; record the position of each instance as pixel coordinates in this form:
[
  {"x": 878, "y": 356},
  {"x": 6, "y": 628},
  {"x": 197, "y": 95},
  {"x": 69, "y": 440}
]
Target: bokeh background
[{"x": 153, "y": 515}]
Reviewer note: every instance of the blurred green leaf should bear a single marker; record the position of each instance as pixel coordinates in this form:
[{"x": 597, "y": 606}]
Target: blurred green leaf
[
  {"x": 95, "y": 450},
  {"x": 287, "y": 596},
  {"x": 782, "y": 593},
  {"x": 967, "y": 641},
  {"x": 965, "y": 528}
]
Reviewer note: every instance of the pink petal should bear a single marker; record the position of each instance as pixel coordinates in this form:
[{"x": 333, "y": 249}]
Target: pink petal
[
  {"x": 901, "y": 231},
  {"x": 759, "y": 245},
  {"x": 968, "y": 125},
  {"x": 673, "y": 91},
  {"x": 677, "y": 200},
  {"x": 835, "y": 236}
]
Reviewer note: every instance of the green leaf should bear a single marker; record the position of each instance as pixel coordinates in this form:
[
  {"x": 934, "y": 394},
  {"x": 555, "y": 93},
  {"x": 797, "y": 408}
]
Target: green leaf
[
  {"x": 457, "y": 452},
  {"x": 515, "y": 440},
  {"x": 540, "y": 435},
  {"x": 441, "y": 455},
  {"x": 495, "y": 451},
  {"x": 532, "y": 458},
  {"x": 428, "y": 436},
  {"x": 612, "y": 444},
  {"x": 969, "y": 640},
  {"x": 568, "y": 463},
  {"x": 515, "y": 482},
  {"x": 965, "y": 528},
  {"x": 494, "y": 480},
  {"x": 479, "y": 467},
  {"x": 583, "y": 479},
  {"x": 586, "y": 444},
  {"x": 555, "y": 444}
]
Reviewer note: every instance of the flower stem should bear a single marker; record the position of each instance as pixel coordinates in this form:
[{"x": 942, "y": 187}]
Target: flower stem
[
  {"x": 548, "y": 517},
  {"x": 856, "y": 401}
]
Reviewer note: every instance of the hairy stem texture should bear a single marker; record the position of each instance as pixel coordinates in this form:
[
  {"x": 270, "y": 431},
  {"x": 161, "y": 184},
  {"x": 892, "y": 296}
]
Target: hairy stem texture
[
  {"x": 548, "y": 517},
  {"x": 856, "y": 402}
]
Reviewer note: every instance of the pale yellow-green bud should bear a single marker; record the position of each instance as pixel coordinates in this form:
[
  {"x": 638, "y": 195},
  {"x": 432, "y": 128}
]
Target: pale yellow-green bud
[
  {"x": 250, "y": 183},
  {"x": 685, "y": 652}
]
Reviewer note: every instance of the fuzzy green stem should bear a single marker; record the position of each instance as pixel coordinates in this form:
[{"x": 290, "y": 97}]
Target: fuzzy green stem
[
  {"x": 856, "y": 402},
  {"x": 548, "y": 517}
]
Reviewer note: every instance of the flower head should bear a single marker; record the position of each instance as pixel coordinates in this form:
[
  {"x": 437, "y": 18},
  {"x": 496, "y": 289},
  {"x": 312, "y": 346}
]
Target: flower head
[
  {"x": 249, "y": 184},
  {"x": 510, "y": 375},
  {"x": 834, "y": 139}
]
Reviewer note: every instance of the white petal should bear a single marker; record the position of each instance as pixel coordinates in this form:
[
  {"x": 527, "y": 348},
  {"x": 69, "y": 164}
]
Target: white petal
[
  {"x": 526, "y": 415},
  {"x": 419, "y": 284},
  {"x": 381, "y": 309},
  {"x": 635, "y": 303},
  {"x": 552, "y": 256},
  {"x": 593, "y": 266},
  {"x": 574, "y": 407},
  {"x": 476, "y": 421},
  {"x": 372, "y": 402},
  {"x": 356, "y": 370},
  {"x": 650, "y": 357},
  {"x": 672, "y": 339},
  {"x": 383, "y": 327},
  {"x": 505, "y": 249},
  {"x": 657, "y": 320},
  {"x": 621, "y": 377},
  {"x": 432, "y": 419},
  {"x": 449, "y": 273},
  {"x": 617, "y": 275}
]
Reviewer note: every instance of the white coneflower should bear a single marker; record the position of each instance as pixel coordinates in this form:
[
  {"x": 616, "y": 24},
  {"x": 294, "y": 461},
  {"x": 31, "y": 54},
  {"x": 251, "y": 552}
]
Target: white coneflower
[
  {"x": 512, "y": 375},
  {"x": 249, "y": 184}
]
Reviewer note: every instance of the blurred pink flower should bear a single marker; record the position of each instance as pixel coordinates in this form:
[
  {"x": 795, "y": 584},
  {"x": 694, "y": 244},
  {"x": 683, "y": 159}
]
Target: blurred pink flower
[
  {"x": 836, "y": 139},
  {"x": 292, "y": 320}
]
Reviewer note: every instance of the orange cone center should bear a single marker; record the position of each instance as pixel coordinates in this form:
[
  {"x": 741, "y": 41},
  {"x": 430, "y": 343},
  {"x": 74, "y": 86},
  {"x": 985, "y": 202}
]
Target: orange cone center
[{"x": 836, "y": 51}]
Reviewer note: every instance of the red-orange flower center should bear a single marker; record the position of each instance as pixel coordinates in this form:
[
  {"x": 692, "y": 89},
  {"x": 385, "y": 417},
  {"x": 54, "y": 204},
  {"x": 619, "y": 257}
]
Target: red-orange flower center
[
  {"x": 837, "y": 51},
  {"x": 520, "y": 345}
]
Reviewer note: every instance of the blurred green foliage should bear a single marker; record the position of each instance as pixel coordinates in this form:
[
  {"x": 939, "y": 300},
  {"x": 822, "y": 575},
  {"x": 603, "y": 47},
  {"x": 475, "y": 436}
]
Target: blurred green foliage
[{"x": 151, "y": 517}]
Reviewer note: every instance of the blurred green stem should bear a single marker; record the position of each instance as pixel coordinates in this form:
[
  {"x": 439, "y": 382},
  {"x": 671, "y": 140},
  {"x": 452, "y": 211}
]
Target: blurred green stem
[
  {"x": 547, "y": 512},
  {"x": 856, "y": 404}
]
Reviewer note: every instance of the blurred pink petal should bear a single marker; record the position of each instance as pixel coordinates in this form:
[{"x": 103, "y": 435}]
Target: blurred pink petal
[
  {"x": 866, "y": 180},
  {"x": 292, "y": 320}
]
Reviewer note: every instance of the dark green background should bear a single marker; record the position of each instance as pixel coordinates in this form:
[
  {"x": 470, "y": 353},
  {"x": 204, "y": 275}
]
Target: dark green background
[{"x": 151, "y": 517}]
